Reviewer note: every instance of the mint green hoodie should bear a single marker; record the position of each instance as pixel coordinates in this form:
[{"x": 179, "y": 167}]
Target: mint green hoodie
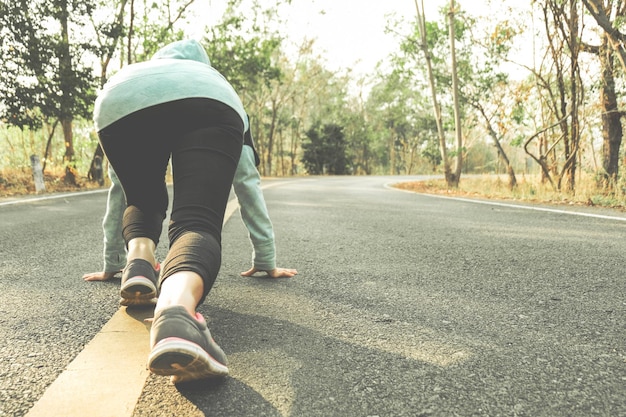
[
  {"x": 247, "y": 186},
  {"x": 179, "y": 70}
]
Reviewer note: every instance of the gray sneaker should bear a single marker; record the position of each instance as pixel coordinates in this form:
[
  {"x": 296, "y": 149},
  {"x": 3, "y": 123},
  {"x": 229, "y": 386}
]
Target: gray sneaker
[
  {"x": 182, "y": 347},
  {"x": 139, "y": 284}
]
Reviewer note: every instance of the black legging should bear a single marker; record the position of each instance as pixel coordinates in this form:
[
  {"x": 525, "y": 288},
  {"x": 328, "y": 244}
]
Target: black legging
[{"x": 204, "y": 138}]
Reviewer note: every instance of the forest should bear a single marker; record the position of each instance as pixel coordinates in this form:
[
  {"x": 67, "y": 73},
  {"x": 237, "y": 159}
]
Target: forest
[{"x": 532, "y": 90}]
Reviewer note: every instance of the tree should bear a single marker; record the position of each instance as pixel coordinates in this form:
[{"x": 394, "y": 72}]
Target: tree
[
  {"x": 153, "y": 26},
  {"x": 443, "y": 78},
  {"x": 247, "y": 52},
  {"x": 45, "y": 77},
  {"x": 559, "y": 143},
  {"x": 314, "y": 93},
  {"x": 458, "y": 158},
  {"x": 325, "y": 151},
  {"x": 602, "y": 13},
  {"x": 486, "y": 88},
  {"x": 109, "y": 33},
  {"x": 610, "y": 49},
  {"x": 400, "y": 117},
  {"x": 423, "y": 36}
]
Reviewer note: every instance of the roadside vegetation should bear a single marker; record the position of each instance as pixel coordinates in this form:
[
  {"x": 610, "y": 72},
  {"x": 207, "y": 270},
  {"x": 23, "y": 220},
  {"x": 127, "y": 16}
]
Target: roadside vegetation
[
  {"x": 531, "y": 94},
  {"x": 528, "y": 190}
]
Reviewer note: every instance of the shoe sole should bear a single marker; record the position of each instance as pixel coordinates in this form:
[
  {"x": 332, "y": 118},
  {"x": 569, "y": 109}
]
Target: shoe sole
[
  {"x": 138, "y": 302},
  {"x": 138, "y": 291},
  {"x": 183, "y": 361}
]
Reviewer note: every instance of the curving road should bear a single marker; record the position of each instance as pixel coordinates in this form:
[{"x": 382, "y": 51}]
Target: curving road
[{"x": 404, "y": 305}]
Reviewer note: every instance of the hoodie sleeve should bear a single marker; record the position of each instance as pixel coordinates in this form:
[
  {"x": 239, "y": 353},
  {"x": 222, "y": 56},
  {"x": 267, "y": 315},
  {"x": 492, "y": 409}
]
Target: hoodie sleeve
[
  {"x": 114, "y": 245},
  {"x": 247, "y": 186}
]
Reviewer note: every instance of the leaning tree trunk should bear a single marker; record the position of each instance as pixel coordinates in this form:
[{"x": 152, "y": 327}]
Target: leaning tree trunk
[{"x": 501, "y": 153}]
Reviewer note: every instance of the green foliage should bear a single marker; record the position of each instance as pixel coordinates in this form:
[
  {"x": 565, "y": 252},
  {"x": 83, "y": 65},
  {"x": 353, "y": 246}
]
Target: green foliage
[
  {"x": 246, "y": 61},
  {"x": 157, "y": 27},
  {"x": 302, "y": 113},
  {"x": 325, "y": 150},
  {"x": 37, "y": 83},
  {"x": 518, "y": 112},
  {"x": 518, "y": 141},
  {"x": 430, "y": 151},
  {"x": 403, "y": 119}
]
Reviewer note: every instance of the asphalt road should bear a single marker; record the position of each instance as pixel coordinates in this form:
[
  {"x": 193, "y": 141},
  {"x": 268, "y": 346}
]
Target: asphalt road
[{"x": 404, "y": 305}]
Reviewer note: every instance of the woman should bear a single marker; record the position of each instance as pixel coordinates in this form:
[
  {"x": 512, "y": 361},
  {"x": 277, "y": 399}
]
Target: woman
[{"x": 175, "y": 105}]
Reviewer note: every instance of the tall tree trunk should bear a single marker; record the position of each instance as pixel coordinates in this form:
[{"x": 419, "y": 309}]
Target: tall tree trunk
[
  {"x": 421, "y": 24},
  {"x": 574, "y": 43},
  {"x": 67, "y": 93},
  {"x": 458, "y": 160},
  {"x": 131, "y": 32},
  {"x": 612, "y": 48},
  {"x": 110, "y": 45},
  {"x": 48, "y": 143},
  {"x": 611, "y": 116},
  {"x": 270, "y": 136},
  {"x": 66, "y": 84}
]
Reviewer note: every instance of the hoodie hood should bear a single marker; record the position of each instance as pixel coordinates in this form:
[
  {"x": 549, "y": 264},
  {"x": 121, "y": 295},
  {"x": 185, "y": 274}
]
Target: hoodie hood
[
  {"x": 186, "y": 49},
  {"x": 178, "y": 71}
]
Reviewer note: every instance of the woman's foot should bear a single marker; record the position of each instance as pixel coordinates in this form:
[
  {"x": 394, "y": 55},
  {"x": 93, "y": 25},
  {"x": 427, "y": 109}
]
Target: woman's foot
[
  {"x": 182, "y": 347},
  {"x": 139, "y": 283}
]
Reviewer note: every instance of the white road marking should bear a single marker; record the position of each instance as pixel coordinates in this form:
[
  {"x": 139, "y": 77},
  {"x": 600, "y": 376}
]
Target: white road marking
[
  {"x": 501, "y": 204},
  {"x": 50, "y": 197}
]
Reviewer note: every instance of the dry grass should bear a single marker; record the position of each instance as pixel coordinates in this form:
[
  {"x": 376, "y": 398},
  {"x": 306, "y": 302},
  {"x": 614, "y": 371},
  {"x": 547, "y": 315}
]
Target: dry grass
[
  {"x": 16, "y": 182},
  {"x": 529, "y": 189}
]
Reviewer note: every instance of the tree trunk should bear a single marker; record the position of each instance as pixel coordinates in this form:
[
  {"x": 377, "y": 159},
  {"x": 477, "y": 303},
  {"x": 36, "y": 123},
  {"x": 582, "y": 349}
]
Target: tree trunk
[
  {"x": 611, "y": 116},
  {"x": 65, "y": 75},
  {"x": 458, "y": 160},
  {"x": 433, "y": 90},
  {"x": 110, "y": 43},
  {"x": 391, "y": 155},
  {"x": 612, "y": 47},
  {"x": 572, "y": 161},
  {"x": 270, "y": 136},
  {"x": 503, "y": 156},
  {"x": 67, "y": 93},
  {"x": 48, "y": 143},
  {"x": 131, "y": 32}
]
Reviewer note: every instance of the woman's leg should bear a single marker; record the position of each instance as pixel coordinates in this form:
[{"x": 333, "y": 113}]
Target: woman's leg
[
  {"x": 137, "y": 147},
  {"x": 204, "y": 161},
  {"x": 138, "y": 150}
]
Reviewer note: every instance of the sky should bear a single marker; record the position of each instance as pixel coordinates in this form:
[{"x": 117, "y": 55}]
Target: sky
[{"x": 348, "y": 33}]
